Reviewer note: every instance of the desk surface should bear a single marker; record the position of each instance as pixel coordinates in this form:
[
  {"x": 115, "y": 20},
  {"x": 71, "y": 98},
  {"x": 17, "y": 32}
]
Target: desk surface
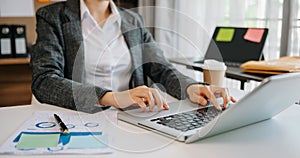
[
  {"x": 231, "y": 72},
  {"x": 276, "y": 138}
]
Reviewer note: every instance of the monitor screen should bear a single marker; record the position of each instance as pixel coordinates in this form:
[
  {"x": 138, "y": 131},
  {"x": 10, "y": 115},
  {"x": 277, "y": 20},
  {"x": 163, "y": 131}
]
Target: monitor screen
[{"x": 236, "y": 44}]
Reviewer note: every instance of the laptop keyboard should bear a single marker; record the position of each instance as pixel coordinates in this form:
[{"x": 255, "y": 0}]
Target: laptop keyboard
[
  {"x": 227, "y": 63},
  {"x": 233, "y": 64},
  {"x": 188, "y": 120}
]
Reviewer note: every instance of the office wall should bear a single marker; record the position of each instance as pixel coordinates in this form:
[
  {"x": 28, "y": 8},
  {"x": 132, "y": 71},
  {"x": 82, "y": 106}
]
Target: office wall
[
  {"x": 15, "y": 80},
  {"x": 29, "y": 22}
]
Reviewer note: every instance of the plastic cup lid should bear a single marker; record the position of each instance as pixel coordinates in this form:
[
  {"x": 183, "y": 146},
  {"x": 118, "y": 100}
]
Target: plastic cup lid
[{"x": 211, "y": 64}]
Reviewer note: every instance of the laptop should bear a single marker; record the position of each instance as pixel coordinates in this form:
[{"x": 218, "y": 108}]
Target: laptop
[
  {"x": 236, "y": 45},
  {"x": 188, "y": 122}
]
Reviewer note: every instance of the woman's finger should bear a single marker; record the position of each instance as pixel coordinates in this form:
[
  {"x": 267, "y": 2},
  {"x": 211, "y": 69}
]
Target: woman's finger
[
  {"x": 202, "y": 101},
  {"x": 140, "y": 103},
  {"x": 209, "y": 94},
  {"x": 151, "y": 100},
  {"x": 157, "y": 98},
  {"x": 166, "y": 106},
  {"x": 232, "y": 99},
  {"x": 225, "y": 97}
]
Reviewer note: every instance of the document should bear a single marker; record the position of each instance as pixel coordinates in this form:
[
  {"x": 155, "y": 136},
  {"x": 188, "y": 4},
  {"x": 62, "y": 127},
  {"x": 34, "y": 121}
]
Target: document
[
  {"x": 19, "y": 40},
  {"x": 41, "y": 134}
]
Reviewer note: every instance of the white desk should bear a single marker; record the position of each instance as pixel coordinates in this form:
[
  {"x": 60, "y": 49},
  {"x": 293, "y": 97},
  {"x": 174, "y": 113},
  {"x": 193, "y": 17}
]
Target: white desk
[{"x": 276, "y": 138}]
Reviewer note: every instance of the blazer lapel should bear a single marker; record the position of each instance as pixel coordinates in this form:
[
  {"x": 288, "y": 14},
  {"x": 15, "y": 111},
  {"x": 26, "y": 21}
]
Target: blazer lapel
[
  {"x": 133, "y": 36},
  {"x": 73, "y": 40}
]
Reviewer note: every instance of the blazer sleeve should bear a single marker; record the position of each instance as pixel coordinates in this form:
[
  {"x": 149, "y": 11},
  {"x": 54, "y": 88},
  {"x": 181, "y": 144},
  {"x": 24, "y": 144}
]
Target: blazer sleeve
[
  {"x": 161, "y": 71},
  {"x": 49, "y": 84}
]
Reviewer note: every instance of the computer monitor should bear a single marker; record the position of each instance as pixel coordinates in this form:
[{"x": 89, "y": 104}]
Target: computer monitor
[{"x": 236, "y": 45}]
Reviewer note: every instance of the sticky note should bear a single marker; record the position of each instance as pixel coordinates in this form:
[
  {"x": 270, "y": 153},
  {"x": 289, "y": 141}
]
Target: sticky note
[
  {"x": 254, "y": 35},
  {"x": 88, "y": 142},
  {"x": 31, "y": 141},
  {"x": 225, "y": 34}
]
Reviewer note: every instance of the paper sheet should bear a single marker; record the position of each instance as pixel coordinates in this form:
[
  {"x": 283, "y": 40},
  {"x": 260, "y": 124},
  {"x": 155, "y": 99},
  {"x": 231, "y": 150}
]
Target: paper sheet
[{"x": 43, "y": 125}]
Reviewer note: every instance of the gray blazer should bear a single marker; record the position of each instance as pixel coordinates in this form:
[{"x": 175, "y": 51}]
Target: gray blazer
[{"x": 57, "y": 59}]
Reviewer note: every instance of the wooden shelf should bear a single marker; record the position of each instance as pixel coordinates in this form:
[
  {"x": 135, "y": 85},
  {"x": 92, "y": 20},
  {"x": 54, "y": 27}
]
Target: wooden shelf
[{"x": 14, "y": 61}]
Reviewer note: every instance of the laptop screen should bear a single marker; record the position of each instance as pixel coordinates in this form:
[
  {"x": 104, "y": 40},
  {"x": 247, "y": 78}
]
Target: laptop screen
[{"x": 237, "y": 44}]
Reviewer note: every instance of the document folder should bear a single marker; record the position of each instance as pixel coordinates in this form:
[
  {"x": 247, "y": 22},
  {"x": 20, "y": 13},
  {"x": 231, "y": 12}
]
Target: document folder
[
  {"x": 272, "y": 67},
  {"x": 6, "y": 50},
  {"x": 19, "y": 41}
]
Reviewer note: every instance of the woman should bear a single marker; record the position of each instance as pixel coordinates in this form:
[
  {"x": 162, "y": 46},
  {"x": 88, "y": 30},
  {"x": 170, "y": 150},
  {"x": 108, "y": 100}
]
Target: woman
[{"x": 90, "y": 55}]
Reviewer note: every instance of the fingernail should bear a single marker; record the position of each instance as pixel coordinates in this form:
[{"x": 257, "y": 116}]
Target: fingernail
[
  {"x": 219, "y": 108},
  {"x": 166, "y": 107}
]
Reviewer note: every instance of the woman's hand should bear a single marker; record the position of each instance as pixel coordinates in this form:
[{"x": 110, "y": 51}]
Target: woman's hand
[
  {"x": 200, "y": 94},
  {"x": 139, "y": 96}
]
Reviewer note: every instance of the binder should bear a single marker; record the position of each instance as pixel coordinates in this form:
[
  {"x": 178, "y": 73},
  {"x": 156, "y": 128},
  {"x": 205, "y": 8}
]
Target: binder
[
  {"x": 6, "y": 50},
  {"x": 19, "y": 46}
]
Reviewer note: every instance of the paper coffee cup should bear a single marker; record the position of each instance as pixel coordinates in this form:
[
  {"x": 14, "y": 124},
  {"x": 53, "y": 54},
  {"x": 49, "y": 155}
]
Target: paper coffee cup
[{"x": 214, "y": 72}]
